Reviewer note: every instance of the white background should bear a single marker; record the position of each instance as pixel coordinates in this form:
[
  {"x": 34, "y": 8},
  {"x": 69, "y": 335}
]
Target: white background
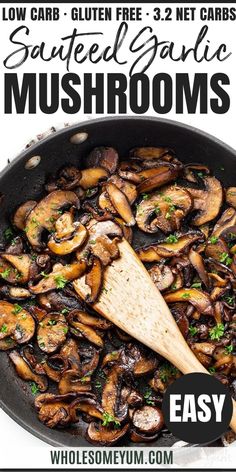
[{"x": 17, "y": 130}]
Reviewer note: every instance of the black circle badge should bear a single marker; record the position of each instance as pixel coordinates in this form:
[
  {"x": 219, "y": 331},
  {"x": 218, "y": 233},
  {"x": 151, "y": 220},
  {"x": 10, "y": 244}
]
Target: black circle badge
[{"x": 197, "y": 408}]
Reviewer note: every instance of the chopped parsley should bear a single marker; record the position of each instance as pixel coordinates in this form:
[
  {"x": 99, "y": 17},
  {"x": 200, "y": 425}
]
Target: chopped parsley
[
  {"x": 167, "y": 199},
  {"x": 44, "y": 274},
  {"x": 229, "y": 300},
  {"x": 65, "y": 330},
  {"x": 171, "y": 209},
  {"x": 145, "y": 196},
  {"x": 157, "y": 210},
  {"x": 61, "y": 281},
  {"x": 185, "y": 295},
  {"x": 225, "y": 259},
  {"x": 34, "y": 388},
  {"x": 5, "y": 273},
  {"x": 217, "y": 332},
  {"x": 98, "y": 385},
  {"x": 229, "y": 349},
  {"x": 192, "y": 330},
  {"x": 92, "y": 241},
  {"x": 148, "y": 397},
  {"x": 4, "y": 328},
  {"x": 52, "y": 322},
  {"x": 172, "y": 239},
  {"x": 211, "y": 370},
  {"x": 107, "y": 419},
  {"x": 196, "y": 285},
  {"x": 213, "y": 239},
  {"x": 8, "y": 234},
  {"x": 17, "y": 309},
  {"x": 64, "y": 311},
  {"x": 166, "y": 371}
]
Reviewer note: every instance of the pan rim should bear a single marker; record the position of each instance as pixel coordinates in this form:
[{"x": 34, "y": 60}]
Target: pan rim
[{"x": 32, "y": 150}]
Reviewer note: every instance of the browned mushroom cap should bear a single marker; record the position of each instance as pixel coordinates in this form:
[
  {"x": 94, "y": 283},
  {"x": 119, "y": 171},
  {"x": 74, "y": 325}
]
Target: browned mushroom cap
[
  {"x": 199, "y": 299},
  {"x": 7, "y": 272},
  {"x": 67, "y": 246},
  {"x": 167, "y": 249},
  {"x": 190, "y": 175},
  {"x": 15, "y": 322},
  {"x": 71, "y": 381},
  {"x": 68, "y": 179},
  {"x": 127, "y": 188},
  {"x": 94, "y": 279},
  {"x": 149, "y": 152},
  {"x": 225, "y": 222},
  {"x": 128, "y": 170},
  {"x": 164, "y": 210},
  {"x": 145, "y": 364},
  {"x": 90, "y": 320},
  {"x": 162, "y": 276},
  {"x": 127, "y": 230},
  {"x": 99, "y": 243},
  {"x": 103, "y": 436},
  {"x": 106, "y": 157},
  {"x": 85, "y": 330},
  {"x": 70, "y": 352},
  {"x": 198, "y": 264},
  {"x": 121, "y": 204},
  {"x": 22, "y": 213},
  {"x": 53, "y": 409},
  {"x": 46, "y": 212},
  {"x": 26, "y": 373},
  {"x": 18, "y": 293},
  {"x": 231, "y": 196},
  {"x": 148, "y": 419},
  {"x": 59, "y": 277},
  {"x": 54, "y": 366},
  {"x": 91, "y": 177},
  {"x": 207, "y": 201},
  {"x": 85, "y": 404},
  {"x": 7, "y": 343},
  {"x": 111, "y": 391},
  {"x": 162, "y": 176},
  {"x": 20, "y": 266},
  {"x": 216, "y": 250},
  {"x": 52, "y": 331}
]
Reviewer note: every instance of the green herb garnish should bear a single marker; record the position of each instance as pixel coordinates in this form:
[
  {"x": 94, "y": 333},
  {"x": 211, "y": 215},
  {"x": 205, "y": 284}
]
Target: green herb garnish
[
  {"x": 217, "y": 332},
  {"x": 34, "y": 388},
  {"x": 5, "y": 273},
  {"x": 4, "y": 328},
  {"x": 8, "y": 234},
  {"x": 147, "y": 396},
  {"x": 225, "y": 259},
  {"x": 107, "y": 419},
  {"x": 229, "y": 349},
  {"x": 61, "y": 281},
  {"x": 192, "y": 330},
  {"x": 17, "y": 309},
  {"x": 172, "y": 239},
  {"x": 213, "y": 239},
  {"x": 211, "y": 370},
  {"x": 185, "y": 295},
  {"x": 196, "y": 285}
]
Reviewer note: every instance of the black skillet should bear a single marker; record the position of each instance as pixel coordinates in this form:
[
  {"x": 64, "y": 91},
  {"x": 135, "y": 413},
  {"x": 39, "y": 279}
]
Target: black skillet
[{"x": 18, "y": 185}]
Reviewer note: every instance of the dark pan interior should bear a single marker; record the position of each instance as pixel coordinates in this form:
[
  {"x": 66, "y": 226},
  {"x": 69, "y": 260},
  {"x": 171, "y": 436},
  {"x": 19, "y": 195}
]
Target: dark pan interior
[{"x": 18, "y": 185}]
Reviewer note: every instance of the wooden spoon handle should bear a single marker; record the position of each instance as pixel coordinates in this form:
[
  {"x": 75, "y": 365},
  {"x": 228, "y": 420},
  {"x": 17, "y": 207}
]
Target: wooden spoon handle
[{"x": 132, "y": 302}]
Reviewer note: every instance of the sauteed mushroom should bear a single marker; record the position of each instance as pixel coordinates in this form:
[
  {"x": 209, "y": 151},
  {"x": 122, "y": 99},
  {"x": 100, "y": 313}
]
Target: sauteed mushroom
[{"x": 184, "y": 232}]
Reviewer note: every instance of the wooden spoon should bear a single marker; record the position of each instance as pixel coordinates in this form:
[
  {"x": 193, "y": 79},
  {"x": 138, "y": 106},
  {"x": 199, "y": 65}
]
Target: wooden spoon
[{"x": 133, "y": 303}]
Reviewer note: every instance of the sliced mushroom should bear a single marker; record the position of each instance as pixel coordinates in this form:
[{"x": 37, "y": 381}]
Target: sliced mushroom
[
  {"x": 138, "y": 437},
  {"x": 199, "y": 299},
  {"x": 70, "y": 245},
  {"x": 106, "y": 157},
  {"x": 231, "y": 196},
  {"x": 149, "y": 152},
  {"x": 26, "y": 373},
  {"x": 127, "y": 188},
  {"x": 148, "y": 254},
  {"x": 21, "y": 265},
  {"x": 72, "y": 382},
  {"x": 46, "y": 212},
  {"x": 164, "y": 210},
  {"x": 111, "y": 391},
  {"x": 148, "y": 419},
  {"x": 53, "y": 410},
  {"x": 19, "y": 293},
  {"x": 90, "y": 320},
  {"x": 198, "y": 264},
  {"x": 70, "y": 352},
  {"x": 85, "y": 330},
  {"x": 145, "y": 365},
  {"x": 216, "y": 250},
  {"x": 103, "y": 436},
  {"x": 121, "y": 204},
  {"x": 15, "y": 322},
  {"x": 162, "y": 276},
  {"x": 59, "y": 277},
  {"x": 22, "y": 213},
  {"x": 87, "y": 405},
  {"x": 94, "y": 279},
  {"x": 164, "y": 175},
  {"x": 225, "y": 222},
  {"x": 68, "y": 179},
  {"x": 52, "y": 331},
  {"x": 54, "y": 367},
  {"x": 91, "y": 177},
  {"x": 207, "y": 201}
]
